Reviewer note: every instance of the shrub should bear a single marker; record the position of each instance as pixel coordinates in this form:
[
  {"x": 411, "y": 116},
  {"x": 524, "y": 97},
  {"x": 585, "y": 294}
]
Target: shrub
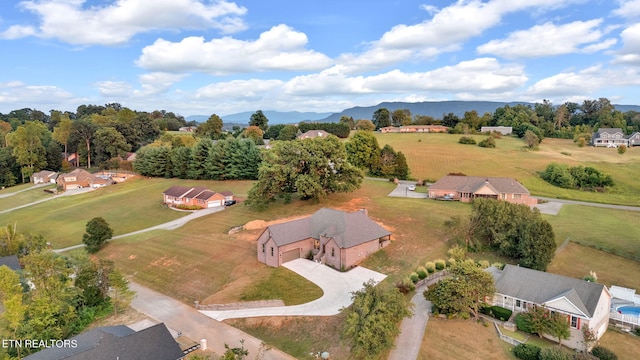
[
  {"x": 484, "y": 264},
  {"x": 638, "y": 331},
  {"x": 603, "y": 353},
  {"x": 501, "y": 313},
  {"x": 522, "y": 323},
  {"x": 405, "y": 286},
  {"x": 451, "y": 262},
  {"x": 414, "y": 277},
  {"x": 498, "y": 265},
  {"x": 527, "y": 352},
  {"x": 622, "y": 149},
  {"x": 582, "y": 142},
  {"x": 554, "y": 353},
  {"x": 457, "y": 252},
  {"x": 465, "y": 316},
  {"x": 422, "y": 272},
  {"x": 496, "y": 134},
  {"x": 467, "y": 140},
  {"x": 430, "y": 266},
  {"x": 440, "y": 264},
  {"x": 487, "y": 143},
  {"x": 188, "y": 207}
]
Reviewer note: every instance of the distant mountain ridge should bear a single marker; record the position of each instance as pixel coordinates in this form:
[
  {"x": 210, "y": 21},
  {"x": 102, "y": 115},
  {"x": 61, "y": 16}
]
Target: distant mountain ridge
[{"x": 435, "y": 109}]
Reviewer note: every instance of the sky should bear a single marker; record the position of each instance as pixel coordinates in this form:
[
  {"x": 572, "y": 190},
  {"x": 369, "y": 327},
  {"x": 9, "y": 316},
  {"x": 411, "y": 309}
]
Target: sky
[{"x": 206, "y": 56}]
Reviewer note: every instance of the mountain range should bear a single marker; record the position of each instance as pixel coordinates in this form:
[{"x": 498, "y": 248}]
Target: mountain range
[{"x": 435, "y": 109}]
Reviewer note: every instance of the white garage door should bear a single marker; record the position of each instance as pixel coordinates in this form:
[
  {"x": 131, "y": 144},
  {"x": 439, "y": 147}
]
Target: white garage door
[{"x": 214, "y": 203}]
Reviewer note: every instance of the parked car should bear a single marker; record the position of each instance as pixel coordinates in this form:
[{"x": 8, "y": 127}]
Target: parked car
[
  {"x": 229, "y": 202},
  {"x": 411, "y": 187}
]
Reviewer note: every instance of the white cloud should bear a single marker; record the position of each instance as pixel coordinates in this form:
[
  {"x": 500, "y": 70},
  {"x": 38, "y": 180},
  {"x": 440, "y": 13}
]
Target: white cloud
[
  {"x": 588, "y": 81},
  {"x": 240, "y": 90},
  {"x": 484, "y": 75},
  {"x": 280, "y": 48},
  {"x": 158, "y": 82},
  {"x": 17, "y": 95},
  {"x": 445, "y": 31},
  {"x": 549, "y": 39},
  {"x": 630, "y": 52},
  {"x": 628, "y": 9},
  {"x": 114, "y": 24}
]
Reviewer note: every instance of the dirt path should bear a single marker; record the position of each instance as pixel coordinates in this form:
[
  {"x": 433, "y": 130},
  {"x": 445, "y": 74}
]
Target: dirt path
[{"x": 195, "y": 325}]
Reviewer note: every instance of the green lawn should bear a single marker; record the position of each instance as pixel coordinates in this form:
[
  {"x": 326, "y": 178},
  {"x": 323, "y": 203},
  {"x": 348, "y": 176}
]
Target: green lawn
[
  {"x": 614, "y": 231},
  {"x": 133, "y": 205},
  {"x": 431, "y": 156},
  {"x": 24, "y": 197}
]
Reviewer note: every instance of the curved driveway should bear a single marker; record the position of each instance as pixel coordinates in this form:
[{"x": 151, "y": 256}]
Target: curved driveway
[{"x": 337, "y": 287}]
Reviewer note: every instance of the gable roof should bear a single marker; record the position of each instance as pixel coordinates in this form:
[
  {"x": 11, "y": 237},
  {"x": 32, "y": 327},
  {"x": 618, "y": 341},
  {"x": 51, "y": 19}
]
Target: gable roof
[
  {"x": 111, "y": 342},
  {"x": 81, "y": 175},
  {"x": 347, "y": 229},
  {"x": 541, "y": 287},
  {"x": 609, "y": 130},
  {"x": 470, "y": 184},
  {"x": 44, "y": 174},
  {"x": 11, "y": 262},
  {"x": 177, "y": 191},
  {"x": 313, "y": 134}
]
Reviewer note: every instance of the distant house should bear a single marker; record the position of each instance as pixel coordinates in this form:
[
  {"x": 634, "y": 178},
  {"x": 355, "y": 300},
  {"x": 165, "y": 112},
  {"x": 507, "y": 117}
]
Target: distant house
[
  {"x": 44, "y": 176},
  {"x": 467, "y": 188},
  {"x": 188, "y": 129},
  {"x": 504, "y": 130},
  {"x": 609, "y": 137},
  {"x": 333, "y": 237},
  {"x": 585, "y": 304},
  {"x": 313, "y": 134},
  {"x": 415, "y": 129},
  {"x": 11, "y": 262},
  {"x": 80, "y": 178},
  {"x": 195, "y": 196},
  {"x": 634, "y": 139},
  {"x": 116, "y": 342}
]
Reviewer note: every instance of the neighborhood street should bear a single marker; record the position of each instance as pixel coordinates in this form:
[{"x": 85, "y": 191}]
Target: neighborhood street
[{"x": 196, "y": 326}]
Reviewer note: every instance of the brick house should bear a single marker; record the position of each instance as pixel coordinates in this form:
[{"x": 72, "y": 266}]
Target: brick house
[
  {"x": 415, "y": 129},
  {"x": 195, "y": 196},
  {"x": 467, "y": 188},
  {"x": 80, "y": 178},
  {"x": 333, "y": 237},
  {"x": 44, "y": 176}
]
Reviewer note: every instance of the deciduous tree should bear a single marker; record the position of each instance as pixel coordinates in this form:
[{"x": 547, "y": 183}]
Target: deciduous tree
[
  {"x": 28, "y": 143},
  {"x": 212, "y": 128},
  {"x": 381, "y": 118},
  {"x": 260, "y": 120},
  {"x": 372, "y": 321},
  {"x": 97, "y": 233}
]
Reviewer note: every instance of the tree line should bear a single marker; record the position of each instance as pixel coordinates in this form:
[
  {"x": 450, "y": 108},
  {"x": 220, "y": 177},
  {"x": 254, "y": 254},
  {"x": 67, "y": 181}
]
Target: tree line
[{"x": 54, "y": 296}]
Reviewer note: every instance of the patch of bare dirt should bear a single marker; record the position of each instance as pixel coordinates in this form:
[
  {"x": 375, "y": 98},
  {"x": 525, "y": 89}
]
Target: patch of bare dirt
[{"x": 166, "y": 261}]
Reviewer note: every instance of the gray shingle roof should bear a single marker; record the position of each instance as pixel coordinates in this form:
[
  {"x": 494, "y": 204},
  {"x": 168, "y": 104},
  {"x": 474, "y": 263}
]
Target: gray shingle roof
[
  {"x": 11, "y": 262},
  {"x": 176, "y": 191},
  {"x": 470, "y": 184},
  {"x": 347, "y": 229},
  {"x": 108, "y": 343},
  {"x": 542, "y": 287}
]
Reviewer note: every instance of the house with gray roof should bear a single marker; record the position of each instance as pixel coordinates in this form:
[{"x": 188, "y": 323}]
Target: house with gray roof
[
  {"x": 115, "y": 342},
  {"x": 337, "y": 238},
  {"x": 44, "y": 176},
  {"x": 585, "y": 304},
  {"x": 614, "y": 137},
  {"x": 467, "y": 188},
  {"x": 195, "y": 196}
]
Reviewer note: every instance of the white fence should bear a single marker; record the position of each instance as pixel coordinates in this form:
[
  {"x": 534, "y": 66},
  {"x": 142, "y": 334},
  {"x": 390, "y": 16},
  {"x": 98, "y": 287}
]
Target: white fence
[{"x": 626, "y": 319}]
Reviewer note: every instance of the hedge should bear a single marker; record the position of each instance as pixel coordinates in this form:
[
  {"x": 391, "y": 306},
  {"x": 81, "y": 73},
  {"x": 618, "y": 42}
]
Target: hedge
[
  {"x": 527, "y": 352},
  {"x": 603, "y": 353},
  {"x": 523, "y": 324}
]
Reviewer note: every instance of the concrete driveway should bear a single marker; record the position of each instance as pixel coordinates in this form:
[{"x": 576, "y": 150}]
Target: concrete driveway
[
  {"x": 402, "y": 191},
  {"x": 337, "y": 287}
]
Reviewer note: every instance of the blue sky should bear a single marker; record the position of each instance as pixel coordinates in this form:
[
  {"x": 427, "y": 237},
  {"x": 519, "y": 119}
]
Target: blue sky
[{"x": 204, "y": 57}]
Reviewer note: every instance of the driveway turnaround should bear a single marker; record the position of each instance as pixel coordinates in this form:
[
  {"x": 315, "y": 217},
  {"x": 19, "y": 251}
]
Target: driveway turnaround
[
  {"x": 337, "y": 287},
  {"x": 402, "y": 190}
]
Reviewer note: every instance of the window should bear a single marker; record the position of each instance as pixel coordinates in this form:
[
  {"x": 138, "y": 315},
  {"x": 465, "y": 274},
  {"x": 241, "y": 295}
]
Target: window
[
  {"x": 517, "y": 303},
  {"x": 574, "y": 322},
  {"x": 263, "y": 247},
  {"x": 517, "y": 196},
  {"x": 272, "y": 251},
  {"x": 333, "y": 251},
  {"x": 316, "y": 244}
]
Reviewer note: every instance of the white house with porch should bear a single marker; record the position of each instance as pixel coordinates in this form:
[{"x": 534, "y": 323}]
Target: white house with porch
[{"x": 585, "y": 304}]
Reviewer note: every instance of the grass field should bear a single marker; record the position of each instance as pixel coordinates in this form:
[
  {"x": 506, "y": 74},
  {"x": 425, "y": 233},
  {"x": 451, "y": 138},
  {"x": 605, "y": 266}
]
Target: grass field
[
  {"x": 614, "y": 231},
  {"x": 24, "y": 197},
  {"x": 133, "y": 205},
  {"x": 431, "y": 156}
]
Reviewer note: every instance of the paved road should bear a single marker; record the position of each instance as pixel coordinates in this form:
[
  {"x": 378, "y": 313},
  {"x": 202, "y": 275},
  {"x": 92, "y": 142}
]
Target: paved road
[
  {"x": 402, "y": 191},
  {"x": 584, "y": 203},
  {"x": 337, "y": 287},
  {"x": 66, "y": 193},
  {"x": 27, "y": 189},
  {"x": 195, "y": 325},
  {"x": 407, "y": 344},
  {"x": 171, "y": 225}
]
